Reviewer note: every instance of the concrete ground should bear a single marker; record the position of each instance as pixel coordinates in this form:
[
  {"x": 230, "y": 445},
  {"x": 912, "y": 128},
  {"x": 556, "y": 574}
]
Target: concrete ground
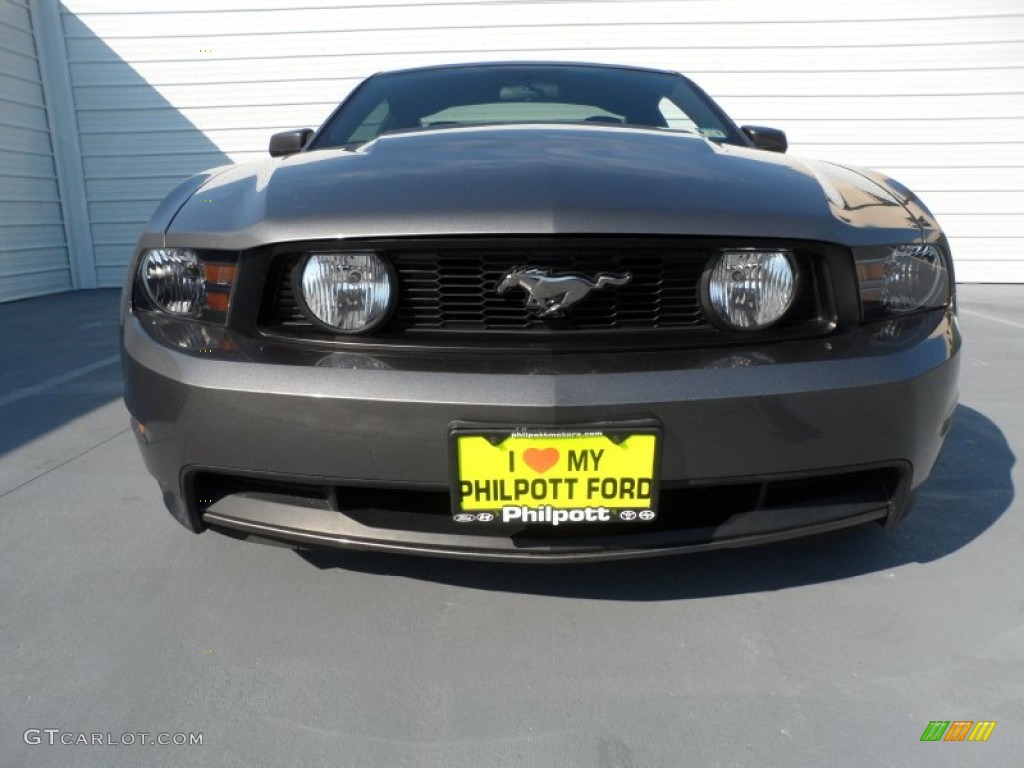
[{"x": 835, "y": 651}]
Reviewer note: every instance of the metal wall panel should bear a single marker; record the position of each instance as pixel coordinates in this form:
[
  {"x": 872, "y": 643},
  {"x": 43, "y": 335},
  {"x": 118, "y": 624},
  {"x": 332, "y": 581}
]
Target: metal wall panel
[
  {"x": 930, "y": 91},
  {"x": 33, "y": 251}
]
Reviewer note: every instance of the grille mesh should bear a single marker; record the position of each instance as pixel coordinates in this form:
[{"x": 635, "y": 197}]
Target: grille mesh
[{"x": 458, "y": 291}]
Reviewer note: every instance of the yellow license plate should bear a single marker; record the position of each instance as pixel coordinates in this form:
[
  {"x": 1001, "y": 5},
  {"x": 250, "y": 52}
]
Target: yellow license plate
[{"x": 554, "y": 477}]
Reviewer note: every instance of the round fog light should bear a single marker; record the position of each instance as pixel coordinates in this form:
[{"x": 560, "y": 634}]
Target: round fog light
[
  {"x": 347, "y": 292},
  {"x": 750, "y": 290}
]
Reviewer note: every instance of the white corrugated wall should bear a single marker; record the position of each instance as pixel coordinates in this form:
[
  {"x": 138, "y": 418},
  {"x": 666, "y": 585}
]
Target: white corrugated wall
[
  {"x": 929, "y": 91},
  {"x": 33, "y": 251}
]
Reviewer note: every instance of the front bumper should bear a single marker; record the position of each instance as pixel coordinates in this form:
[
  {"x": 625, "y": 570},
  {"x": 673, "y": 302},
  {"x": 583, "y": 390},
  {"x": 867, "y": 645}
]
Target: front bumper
[{"x": 350, "y": 449}]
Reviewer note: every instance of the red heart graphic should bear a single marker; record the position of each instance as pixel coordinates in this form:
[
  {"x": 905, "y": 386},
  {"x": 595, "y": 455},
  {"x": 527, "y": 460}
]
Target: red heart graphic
[{"x": 540, "y": 460}]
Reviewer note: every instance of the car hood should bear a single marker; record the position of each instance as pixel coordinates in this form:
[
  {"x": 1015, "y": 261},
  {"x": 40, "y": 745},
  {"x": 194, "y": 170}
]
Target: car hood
[{"x": 544, "y": 180}]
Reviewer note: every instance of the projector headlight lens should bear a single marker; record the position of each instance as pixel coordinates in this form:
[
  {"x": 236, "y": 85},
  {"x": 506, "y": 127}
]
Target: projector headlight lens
[
  {"x": 748, "y": 289},
  {"x": 347, "y": 292}
]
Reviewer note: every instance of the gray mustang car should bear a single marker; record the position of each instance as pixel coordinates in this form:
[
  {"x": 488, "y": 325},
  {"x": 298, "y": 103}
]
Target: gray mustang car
[{"x": 538, "y": 311}]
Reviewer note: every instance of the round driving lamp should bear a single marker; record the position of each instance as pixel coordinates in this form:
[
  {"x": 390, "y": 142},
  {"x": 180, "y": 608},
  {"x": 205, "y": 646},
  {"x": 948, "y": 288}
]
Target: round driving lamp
[
  {"x": 347, "y": 292},
  {"x": 174, "y": 280},
  {"x": 749, "y": 290}
]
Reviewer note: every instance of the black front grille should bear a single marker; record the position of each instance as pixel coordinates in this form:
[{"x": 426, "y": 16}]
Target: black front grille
[
  {"x": 457, "y": 291},
  {"x": 450, "y": 290}
]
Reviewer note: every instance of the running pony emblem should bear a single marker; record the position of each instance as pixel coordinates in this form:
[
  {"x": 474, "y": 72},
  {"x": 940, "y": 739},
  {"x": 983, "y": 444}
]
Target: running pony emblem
[{"x": 550, "y": 295}]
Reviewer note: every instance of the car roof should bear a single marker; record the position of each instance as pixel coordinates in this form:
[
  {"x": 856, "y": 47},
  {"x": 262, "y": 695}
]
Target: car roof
[{"x": 525, "y": 63}]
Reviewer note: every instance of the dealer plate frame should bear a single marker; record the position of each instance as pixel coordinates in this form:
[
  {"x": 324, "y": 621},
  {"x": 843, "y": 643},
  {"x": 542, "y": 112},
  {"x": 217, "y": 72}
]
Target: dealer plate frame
[{"x": 498, "y": 433}]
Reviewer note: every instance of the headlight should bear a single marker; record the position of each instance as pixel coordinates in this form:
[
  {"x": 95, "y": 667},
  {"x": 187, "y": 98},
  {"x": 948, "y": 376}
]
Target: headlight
[
  {"x": 749, "y": 290},
  {"x": 173, "y": 279},
  {"x": 347, "y": 292},
  {"x": 180, "y": 282},
  {"x": 902, "y": 279},
  {"x": 915, "y": 277}
]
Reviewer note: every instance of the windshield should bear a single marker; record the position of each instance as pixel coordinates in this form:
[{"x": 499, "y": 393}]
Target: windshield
[{"x": 429, "y": 99}]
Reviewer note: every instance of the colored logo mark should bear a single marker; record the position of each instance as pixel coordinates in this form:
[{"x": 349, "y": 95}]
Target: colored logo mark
[{"x": 958, "y": 730}]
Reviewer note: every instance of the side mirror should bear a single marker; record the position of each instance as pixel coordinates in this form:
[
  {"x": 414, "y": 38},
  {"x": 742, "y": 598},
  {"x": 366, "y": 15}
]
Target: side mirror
[
  {"x": 771, "y": 139},
  {"x": 289, "y": 142}
]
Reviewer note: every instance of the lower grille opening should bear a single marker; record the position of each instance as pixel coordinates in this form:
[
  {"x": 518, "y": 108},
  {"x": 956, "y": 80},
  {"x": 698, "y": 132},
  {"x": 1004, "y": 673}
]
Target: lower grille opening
[
  {"x": 878, "y": 485},
  {"x": 691, "y": 508},
  {"x": 208, "y": 488}
]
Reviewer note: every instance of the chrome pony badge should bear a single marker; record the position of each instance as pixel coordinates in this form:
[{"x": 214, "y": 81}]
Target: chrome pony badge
[{"x": 550, "y": 295}]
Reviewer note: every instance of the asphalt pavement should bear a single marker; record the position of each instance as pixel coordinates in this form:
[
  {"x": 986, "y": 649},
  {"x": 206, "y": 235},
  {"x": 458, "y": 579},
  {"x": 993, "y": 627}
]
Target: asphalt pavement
[{"x": 836, "y": 651}]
